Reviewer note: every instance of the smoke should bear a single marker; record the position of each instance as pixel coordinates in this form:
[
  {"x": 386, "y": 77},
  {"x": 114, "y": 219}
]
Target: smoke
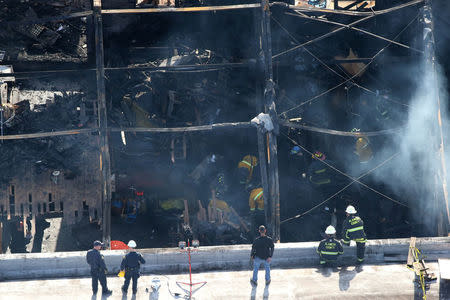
[{"x": 414, "y": 173}]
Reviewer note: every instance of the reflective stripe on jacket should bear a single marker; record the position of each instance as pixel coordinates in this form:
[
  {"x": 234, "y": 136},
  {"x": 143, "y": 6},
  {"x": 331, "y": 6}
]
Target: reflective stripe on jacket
[
  {"x": 249, "y": 162},
  {"x": 353, "y": 229},
  {"x": 329, "y": 249},
  {"x": 256, "y": 199}
]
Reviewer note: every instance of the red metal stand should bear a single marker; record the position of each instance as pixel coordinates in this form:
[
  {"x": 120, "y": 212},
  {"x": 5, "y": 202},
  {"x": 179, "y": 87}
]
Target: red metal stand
[{"x": 189, "y": 293}]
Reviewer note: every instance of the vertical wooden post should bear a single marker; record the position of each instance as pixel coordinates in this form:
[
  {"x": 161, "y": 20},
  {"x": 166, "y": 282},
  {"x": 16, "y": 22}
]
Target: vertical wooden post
[
  {"x": 269, "y": 95},
  {"x": 262, "y": 153},
  {"x": 103, "y": 124},
  {"x": 430, "y": 60},
  {"x": 1, "y": 236}
]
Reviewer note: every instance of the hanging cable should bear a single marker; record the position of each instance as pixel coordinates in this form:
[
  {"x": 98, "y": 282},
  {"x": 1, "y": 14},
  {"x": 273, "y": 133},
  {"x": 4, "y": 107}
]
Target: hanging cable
[
  {"x": 345, "y": 187},
  {"x": 329, "y": 68},
  {"x": 357, "y": 74}
]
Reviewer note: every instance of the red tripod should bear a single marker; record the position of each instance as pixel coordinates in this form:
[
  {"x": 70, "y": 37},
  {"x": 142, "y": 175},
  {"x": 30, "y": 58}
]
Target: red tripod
[{"x": 189, "y": 293}]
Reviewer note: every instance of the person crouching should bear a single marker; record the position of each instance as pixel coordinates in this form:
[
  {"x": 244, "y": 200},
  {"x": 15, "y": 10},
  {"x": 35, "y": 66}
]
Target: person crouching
[{"x": 329, "y": 249}]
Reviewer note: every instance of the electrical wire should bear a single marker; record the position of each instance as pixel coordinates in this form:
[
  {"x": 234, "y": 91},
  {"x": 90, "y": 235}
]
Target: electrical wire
[
  {"x": 357, "y": 74},
  {"x": 328, "y": 67},
  {"x": 345, "y": 187}
]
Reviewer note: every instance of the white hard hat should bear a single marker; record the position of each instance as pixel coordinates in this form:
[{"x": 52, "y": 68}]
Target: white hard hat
[
  {"x": 132, "y": 244},
  {"x": 330, "y": 230},
  {"x": 350, "y": 210}
]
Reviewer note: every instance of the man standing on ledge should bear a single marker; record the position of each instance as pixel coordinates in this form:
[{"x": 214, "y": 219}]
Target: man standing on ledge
[
  {"x": 98, "y": 268},
  {"x": 131, "y": 263},
  {"x": 262, "y": 251},
  {"x": 353, "y": 229}
]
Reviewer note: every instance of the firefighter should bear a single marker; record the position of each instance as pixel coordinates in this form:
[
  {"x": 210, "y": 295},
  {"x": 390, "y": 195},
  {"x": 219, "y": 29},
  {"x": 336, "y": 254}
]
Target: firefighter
[
  {"x": 353, "y": 229},
  {"x": 322, "y": 178},
  {"x": 318, "y": 172},
  {"x": 329, "y": 249},
  {"x": 246, "y": 169},
  {"x": 131, "y": 264},
  {"x": 256, "y": 204}
]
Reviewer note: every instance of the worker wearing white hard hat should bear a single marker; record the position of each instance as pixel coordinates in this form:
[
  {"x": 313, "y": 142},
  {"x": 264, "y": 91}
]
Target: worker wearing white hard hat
[
  {"x": 350, "y": 210},
  {"x": 353, "y": 230},
  {"x": 329, "y": 249},
  {"x": 131, "y": 264}
]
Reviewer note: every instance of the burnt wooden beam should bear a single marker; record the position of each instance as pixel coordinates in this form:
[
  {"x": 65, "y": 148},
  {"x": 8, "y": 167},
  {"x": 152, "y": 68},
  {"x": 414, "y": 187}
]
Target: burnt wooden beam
[
  {"x": 305, "y": 9},
  {"x": 340, "y": 133},
  {"x": 177, "y": 68},
  {"x": 269, "y": 101},
  {"x": 236, "y": 125},
  {"x": 178, "y": 9},
  {"x": 47, "y": 134},
  {"x": 105, "y": 166},
  {"x": 259, "y": 88}
]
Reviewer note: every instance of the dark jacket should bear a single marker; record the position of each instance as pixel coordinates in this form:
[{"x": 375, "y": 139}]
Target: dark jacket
[
  {"x": 95, "y": 260},
  {"x": 330, "y": 249},
  {"x": 262, "y": 247},
  {"x": 132, "y": 261},
  {"x": 353, "y": 229}
]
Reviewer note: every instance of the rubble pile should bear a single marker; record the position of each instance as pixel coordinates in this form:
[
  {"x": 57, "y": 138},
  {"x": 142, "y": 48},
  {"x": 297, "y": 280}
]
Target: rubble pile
[
  {"x": 54, "y": 153},
  {"x": 58, "y": 41}
]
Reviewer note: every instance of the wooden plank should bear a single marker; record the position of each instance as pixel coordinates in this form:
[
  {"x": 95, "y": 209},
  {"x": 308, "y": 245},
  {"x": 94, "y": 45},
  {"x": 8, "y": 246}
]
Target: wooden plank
[
  {"x": 341, "y": 133},
  {"x": 411, "y": 252},
  {"x": 240, "y": 219},
  {"x": 234, "y": 125},
  {"x": 186, "y": 212},
  {"x": 46, "y": 134},
  {"x": 103, "y": 126},
  {"x": 1, "y": 236},
  {"x": 351, "y": 13},
  {"x": 178, "y": 9}
]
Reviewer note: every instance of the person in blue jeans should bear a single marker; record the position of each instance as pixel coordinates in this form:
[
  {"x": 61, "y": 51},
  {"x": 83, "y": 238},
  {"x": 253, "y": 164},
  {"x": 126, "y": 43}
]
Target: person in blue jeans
[{"x": 262, "y": 251}]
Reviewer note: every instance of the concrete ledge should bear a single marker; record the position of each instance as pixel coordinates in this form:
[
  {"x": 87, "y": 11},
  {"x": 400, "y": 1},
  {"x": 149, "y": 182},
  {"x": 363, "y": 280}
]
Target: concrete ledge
[{"x": 171, "y": 260}]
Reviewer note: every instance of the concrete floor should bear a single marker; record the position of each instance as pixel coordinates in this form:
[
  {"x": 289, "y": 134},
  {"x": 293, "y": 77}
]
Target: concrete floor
[{"x": 372, "y": 282}]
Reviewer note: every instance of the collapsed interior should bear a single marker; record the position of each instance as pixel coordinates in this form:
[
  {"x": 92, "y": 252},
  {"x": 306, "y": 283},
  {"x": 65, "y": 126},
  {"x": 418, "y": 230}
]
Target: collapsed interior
[{"x": 185, "y": 70}]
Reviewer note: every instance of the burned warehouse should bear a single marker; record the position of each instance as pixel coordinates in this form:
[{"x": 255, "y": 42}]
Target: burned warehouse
[{"x": 151, "y": 120}]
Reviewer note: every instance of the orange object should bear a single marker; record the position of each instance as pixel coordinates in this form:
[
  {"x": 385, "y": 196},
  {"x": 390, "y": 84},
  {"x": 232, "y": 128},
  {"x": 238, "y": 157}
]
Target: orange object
[{"x": 118, "y": 245}]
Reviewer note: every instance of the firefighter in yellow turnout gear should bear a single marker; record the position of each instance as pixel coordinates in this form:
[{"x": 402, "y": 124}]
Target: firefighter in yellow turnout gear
[
  {"x": 246, "y": 169},
  {"x": 256, "y": 204},
  {"x": 256, "y": 199},
  {"x": 329, "y": 249},
  {"x": 353, "y": 229}
]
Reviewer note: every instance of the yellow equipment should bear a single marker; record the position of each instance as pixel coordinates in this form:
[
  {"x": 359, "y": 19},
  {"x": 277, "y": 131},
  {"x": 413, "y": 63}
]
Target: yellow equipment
[
  {"x": 363, "y": 149},
  {"x": 121, "y": 273}
]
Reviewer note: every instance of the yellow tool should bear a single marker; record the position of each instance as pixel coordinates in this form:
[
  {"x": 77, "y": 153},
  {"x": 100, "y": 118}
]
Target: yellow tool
[{"x": 121, "y": 273}]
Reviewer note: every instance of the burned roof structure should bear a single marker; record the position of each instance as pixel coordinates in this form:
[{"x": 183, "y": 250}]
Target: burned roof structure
[{"x": 107, "y": 103}]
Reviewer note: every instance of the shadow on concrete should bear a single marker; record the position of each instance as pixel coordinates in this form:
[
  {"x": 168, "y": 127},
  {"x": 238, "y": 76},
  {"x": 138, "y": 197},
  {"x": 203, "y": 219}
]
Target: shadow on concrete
[
  {"x": 154, "y": 295},
  {"x": 266, "y": 292},
  {"x": 345, "y": 276},
  {"x": 325, "y": 271},
  {"x": 253, "y": 292},
  {"x": 41, "y": 225}
]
